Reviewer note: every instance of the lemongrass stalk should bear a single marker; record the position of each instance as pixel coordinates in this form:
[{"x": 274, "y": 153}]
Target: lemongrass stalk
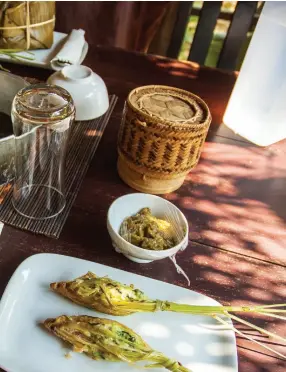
[
  {"x": 18, "y": 57},
  {"x": 273, "y": 315},
  {"x": 13, "y": 54},
  {"x": 11, "y": 50},
  {"x": 267, "y": 306},
  {"x": 152, "y": 306},
  {"x": 248, "y": 337},
  {"x": 161, "y": 361},
  {"x": 4, "y": 69},
  {"x": 259, "y": 329}
]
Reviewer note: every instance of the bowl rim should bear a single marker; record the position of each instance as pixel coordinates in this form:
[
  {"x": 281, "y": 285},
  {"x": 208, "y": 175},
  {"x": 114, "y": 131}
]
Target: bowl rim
[{"x": 142, "y": 250}]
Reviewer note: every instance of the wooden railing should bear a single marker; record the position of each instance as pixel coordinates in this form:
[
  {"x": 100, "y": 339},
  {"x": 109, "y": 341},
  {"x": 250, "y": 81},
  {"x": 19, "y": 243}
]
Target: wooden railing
[{"x": 242, "y": 20}]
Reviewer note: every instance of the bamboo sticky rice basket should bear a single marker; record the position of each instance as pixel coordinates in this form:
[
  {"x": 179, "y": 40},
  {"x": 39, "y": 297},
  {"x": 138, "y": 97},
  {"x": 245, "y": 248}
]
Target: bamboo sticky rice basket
[{"x": 161, "y": 137}]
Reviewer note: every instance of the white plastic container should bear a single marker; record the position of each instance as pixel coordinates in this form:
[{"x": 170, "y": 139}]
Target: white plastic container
[{"x": 257, "y": 107}]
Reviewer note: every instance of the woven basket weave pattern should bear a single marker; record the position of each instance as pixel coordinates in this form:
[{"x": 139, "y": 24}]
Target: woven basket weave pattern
[{"x": 154, "y": 147}]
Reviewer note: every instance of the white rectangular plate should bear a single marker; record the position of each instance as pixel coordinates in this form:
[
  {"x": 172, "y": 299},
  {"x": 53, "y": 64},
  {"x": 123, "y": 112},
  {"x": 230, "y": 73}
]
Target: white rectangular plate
[
  {"x": 43, "y": 57},
  {"x": 199, "y": 343}
]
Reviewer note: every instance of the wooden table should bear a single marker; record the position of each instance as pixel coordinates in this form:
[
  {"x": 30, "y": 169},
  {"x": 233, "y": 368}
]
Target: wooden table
[{"x": 234, "y": 201}]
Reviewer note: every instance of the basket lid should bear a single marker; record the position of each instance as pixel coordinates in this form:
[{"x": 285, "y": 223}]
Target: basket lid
[{"x": 170, "y": 105}]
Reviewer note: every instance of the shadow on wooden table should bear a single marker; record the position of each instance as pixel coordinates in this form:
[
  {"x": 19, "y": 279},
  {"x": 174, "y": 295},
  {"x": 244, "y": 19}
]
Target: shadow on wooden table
[
  {"x": 235, "y": 199},
  {"x": 172, "y": 67}
]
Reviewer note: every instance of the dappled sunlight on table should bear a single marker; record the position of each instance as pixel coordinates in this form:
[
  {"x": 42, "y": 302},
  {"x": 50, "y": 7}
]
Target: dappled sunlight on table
[
  {"x": 186, "y": 69},
  {"x": 237, "y": 203},
  {"x": 246, "y": 282},
  {"x": 93, "y": 133},
  {"x": 4, "y": 189}
]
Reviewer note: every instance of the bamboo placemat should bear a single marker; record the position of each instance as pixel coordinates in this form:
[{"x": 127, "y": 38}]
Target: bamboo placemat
[{"x": 85, "y": 137}]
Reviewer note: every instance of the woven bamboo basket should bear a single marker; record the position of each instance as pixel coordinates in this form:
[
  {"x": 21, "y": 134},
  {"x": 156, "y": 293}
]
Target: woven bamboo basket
[{"x": 161, "y": 136}]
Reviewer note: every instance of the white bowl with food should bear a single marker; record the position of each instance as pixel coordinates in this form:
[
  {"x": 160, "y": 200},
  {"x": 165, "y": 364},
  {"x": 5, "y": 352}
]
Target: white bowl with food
[{"x": 168, "y": 222}]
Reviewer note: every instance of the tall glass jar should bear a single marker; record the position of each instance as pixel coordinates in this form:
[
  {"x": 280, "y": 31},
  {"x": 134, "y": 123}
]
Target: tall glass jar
[{"x": 42, "y": 116}]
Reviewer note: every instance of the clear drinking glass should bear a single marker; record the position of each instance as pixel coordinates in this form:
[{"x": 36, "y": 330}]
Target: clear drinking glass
[{"x": 42, "y": 116}]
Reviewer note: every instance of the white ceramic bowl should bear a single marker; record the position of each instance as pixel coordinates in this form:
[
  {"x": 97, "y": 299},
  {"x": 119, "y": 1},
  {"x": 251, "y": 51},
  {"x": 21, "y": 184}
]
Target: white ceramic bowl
[
  {"x": 87, "y": 89},
  {"x": 129, "y": 205}
]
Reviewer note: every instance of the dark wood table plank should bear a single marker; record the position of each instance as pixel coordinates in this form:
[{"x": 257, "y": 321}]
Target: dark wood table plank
[
  {"x": 234, "y": 199},
  {"x": 123, "y": 71}
]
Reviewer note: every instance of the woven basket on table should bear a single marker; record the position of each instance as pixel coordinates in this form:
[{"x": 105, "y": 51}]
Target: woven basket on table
[{"x": 161, "y": 137}]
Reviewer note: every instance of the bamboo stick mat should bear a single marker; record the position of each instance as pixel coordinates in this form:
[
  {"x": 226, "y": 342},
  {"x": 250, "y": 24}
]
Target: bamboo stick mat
[{"x": 83, "y": 142}]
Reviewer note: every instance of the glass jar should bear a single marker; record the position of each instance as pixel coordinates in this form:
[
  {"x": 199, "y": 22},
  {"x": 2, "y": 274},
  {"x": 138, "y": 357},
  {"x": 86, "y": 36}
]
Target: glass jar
[{"x": 42, "y": 116}]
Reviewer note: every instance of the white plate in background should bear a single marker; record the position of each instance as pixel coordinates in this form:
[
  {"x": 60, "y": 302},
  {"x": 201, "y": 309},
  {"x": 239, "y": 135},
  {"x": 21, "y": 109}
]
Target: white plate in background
[
  {"x": 198, "y": 342},
  {"x": 43, "y": 57}
]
